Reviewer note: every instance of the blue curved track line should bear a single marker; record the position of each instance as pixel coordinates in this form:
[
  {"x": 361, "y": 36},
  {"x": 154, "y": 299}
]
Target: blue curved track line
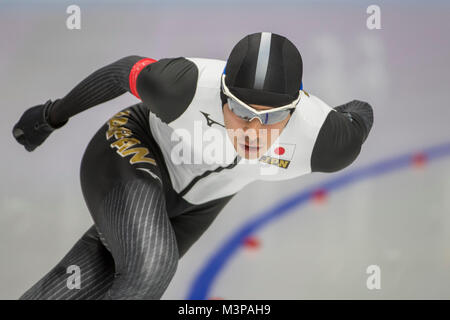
[{"x": 204, "y": 280}]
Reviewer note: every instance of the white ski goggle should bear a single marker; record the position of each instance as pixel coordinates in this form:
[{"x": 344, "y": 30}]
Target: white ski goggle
[{"x": 247, "y": 113}]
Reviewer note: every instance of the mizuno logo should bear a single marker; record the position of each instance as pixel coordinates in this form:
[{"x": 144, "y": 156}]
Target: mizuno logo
[{"x": 210, "y": 121}]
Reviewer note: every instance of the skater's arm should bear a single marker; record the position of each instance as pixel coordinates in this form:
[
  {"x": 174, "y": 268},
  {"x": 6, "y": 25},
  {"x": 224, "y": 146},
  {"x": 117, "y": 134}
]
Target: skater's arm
[
  {"x": 102, "y": 85},
  {"x": 165, "y": 86},
  {"x": 361, "y": 113},
  {"x": 341, "y": 136}
]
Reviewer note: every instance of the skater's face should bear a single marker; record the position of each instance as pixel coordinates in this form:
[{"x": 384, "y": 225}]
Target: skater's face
[{"x": 251, "y": 139}]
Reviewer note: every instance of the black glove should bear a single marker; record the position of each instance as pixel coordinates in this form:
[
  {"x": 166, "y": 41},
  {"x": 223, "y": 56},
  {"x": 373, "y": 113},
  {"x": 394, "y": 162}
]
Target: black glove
[{"x": 33, "y": 127}]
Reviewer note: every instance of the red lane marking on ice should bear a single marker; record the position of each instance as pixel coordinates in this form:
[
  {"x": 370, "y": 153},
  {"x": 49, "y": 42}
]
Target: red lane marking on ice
[
  {"x": 419, "y": 160},
  {"x": 252, "y": 243},
  {"x": 319, "y": 196}
]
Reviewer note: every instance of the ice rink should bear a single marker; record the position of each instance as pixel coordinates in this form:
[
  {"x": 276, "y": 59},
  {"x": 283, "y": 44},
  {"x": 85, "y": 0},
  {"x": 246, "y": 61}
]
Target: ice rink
[{"x": 398, "y": 220}]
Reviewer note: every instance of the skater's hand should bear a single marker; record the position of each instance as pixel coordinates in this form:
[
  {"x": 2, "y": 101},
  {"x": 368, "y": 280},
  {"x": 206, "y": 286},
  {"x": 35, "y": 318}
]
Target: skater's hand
[{"x": 33, "y": 127}]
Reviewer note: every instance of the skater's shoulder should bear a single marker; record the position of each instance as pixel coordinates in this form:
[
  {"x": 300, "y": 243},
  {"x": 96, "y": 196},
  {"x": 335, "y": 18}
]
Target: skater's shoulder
[
  {"x": 209, "y": 71},
  {"x": 171, "y": 76}
]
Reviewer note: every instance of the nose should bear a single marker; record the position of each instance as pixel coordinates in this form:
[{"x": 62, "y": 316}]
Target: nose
[
  {"x": 252, "y": 128},
  {"x": 255, "y": 123}
]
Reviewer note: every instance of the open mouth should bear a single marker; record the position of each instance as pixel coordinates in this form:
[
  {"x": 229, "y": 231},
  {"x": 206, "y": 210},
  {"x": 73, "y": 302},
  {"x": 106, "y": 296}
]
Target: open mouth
[{"x": 249, "y": 148}]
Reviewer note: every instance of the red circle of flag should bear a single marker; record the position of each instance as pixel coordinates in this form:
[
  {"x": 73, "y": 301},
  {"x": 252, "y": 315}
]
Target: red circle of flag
[{"x": 279, "y": 151}]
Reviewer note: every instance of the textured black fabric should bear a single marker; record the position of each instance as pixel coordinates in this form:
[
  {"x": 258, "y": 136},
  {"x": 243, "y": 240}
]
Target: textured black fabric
[
  {"x": 338, "y": 143},
  {"x": 104, "y": 84},
  {"x": 360, "y": 111},
  {"x": 97, "y": 273},
  {"x": 134, "y": 227},
  {"x": 167, "y": 86},
  {"x": 142, "y": 227}
]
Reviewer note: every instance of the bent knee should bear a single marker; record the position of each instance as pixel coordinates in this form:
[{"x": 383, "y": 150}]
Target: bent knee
[{"x": 145, "y": 281}]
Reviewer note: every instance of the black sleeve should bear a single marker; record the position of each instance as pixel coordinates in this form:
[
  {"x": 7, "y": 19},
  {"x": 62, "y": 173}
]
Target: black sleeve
[
  {"x": 360, "y": 111},
  {"x": 166, "y": 86},
  {"x": 342, "y": 134},
  {"x": 104, "y": 84}
]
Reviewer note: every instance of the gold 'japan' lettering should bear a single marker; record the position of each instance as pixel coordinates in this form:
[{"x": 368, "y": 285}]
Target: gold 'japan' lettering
[
  {"x": 264, "y": 159},
  {"x": 122, "y": 113},
  {"x": 118, "y": 132},
  {"x": 115, "y": 123},
  {"x": 138, "y": 155},
  {"x": 284, "y": 163},
  {"x": 124, "y": 143},
  {"x": 274, "y": 161}
]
